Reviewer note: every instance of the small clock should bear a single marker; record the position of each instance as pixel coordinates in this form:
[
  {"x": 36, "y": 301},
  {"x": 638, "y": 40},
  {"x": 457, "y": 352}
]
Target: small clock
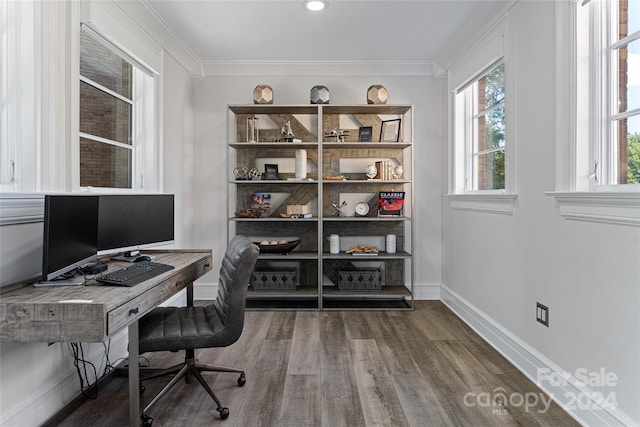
[{"x": 362, "y": 208}]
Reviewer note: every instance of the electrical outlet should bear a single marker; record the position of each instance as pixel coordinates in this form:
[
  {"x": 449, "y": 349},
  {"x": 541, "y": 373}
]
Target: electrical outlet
[{"x": 542, "y": 314}]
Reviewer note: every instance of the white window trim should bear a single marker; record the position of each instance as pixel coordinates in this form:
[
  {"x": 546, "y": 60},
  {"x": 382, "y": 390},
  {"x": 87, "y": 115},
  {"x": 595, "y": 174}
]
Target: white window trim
[
  {"x": 622, "y": 208},
  {"x": 486, "y": 51},
  {"x": 21, "y": 208},
  {"x": 498, "y": 203},
  {"x": 615, "y": 204}
]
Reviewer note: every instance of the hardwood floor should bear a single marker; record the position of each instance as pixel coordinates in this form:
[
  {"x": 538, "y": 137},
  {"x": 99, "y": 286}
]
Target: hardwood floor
[{"x": 345, "y": 368}]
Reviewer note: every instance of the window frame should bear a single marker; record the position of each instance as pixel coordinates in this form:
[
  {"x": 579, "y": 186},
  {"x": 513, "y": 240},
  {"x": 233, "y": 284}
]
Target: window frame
[
  {"x": 488, "y": 51},
  {"x": 583, "y": 190},
  {"x": 145, "y": 149},
  {"x": 18, "y": 109},
  {"x": 470, "y": 118}
]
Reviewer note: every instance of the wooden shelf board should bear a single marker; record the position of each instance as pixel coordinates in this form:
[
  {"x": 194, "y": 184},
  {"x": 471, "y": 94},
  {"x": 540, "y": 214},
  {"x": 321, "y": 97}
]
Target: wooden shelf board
[
  {"x": 392, "y": 145},
  {"x": 381, "y": 255},
  {"x": 366, "y": 109},
  {"x": 274, "y": 109},
  {"x": 385, "y": 292}
]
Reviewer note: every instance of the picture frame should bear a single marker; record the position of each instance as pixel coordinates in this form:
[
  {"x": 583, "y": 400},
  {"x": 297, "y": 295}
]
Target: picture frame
[
  {"x": 365, "y": 133},
  {"x": 390, "y": 130},
  {"x": 271, "y": 171}
]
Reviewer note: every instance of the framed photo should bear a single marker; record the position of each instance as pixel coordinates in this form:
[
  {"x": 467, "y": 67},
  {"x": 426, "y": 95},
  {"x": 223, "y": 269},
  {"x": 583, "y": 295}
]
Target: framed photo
[
  {"x": 261, "y": 202},
  {"x": 271, "y": 171},
  {"x": 364, "y": 133},
  {"x": 390, "y": 130}
]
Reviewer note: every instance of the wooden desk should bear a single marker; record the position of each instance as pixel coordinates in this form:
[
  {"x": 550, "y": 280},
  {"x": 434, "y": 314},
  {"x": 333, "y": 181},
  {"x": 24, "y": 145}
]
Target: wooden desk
[{"x": 92, "y": 313}]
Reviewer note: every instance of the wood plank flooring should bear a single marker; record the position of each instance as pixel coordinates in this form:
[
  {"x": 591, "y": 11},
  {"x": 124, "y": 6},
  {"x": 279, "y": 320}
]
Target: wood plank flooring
[{"x": 344, "y": 368}]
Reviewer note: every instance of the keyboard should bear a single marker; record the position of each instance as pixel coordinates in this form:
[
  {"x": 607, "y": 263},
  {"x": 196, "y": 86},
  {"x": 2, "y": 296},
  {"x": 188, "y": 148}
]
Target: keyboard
[{"x": 134, "y": 274}]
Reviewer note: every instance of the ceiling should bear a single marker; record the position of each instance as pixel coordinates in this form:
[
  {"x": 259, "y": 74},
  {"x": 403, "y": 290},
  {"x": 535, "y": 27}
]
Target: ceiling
[{"x": 347, "y": 31}]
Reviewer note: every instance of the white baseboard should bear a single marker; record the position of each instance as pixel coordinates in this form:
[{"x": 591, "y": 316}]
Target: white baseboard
[{"x": 579, "y": 401}]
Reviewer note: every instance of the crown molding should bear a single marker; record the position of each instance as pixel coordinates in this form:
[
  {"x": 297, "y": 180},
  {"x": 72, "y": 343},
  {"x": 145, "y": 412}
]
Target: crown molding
[
  {"x": 479, "y": 25},
  {"x": 318, "y": 67},
  {"x": 155, "y": 27}
]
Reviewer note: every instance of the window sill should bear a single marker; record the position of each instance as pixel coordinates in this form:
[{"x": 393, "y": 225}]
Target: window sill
[
  {"x": 496, "y": 203},
  {"x": 608, "y": 207},
  {"x": 21, "y": 208}
]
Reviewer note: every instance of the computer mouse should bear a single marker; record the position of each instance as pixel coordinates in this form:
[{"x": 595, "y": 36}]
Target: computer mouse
[{"x": 143, "y": 258}]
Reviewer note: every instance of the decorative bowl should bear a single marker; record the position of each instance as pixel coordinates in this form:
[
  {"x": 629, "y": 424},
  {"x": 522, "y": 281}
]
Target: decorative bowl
[{"x": 280, "y": 248}]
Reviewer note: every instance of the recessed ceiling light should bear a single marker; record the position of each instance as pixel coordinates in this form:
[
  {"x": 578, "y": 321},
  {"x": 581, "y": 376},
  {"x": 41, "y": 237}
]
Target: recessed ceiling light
[{"x": 315, "y": 5}]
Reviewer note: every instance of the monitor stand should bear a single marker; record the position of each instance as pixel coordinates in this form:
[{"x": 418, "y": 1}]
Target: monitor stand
[
  {"x": 74, "y": 281},
  {"x": 129, "y": 256}
]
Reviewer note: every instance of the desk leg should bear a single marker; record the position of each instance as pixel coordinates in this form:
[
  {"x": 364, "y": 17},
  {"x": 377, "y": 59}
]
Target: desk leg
[
  {"x": 134, "y": 376},
  {"x": 190, "y": 295}
]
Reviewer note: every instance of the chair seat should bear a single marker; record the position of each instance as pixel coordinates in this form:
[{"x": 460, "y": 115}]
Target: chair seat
[{"x": 179, "y": 328}]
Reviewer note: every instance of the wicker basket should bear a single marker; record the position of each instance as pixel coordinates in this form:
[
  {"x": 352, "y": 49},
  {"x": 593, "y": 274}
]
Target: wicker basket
[
  {"x": 274, "y": 279},
  {"x": 359, "y": 279}
]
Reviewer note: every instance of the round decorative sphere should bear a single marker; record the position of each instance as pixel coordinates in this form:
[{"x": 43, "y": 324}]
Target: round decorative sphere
[
  {"x": 398, "y": 171},
  {"x": 319, "y": 95},
  {"x": 263, "y": 94},
  {"x": 376, "y": 94},
  {"x": 241, "y": 172},
  {"x": 254, "y": 173},
  {"x": 371, "y": 171}
]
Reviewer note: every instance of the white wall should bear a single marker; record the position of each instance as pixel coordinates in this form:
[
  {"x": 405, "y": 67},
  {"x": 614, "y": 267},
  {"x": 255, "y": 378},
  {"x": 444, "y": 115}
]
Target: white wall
[
  {"x": 37, "y": 380},
  {"x": 211, "y": 96},
  {"x": 496, "y": 267}
]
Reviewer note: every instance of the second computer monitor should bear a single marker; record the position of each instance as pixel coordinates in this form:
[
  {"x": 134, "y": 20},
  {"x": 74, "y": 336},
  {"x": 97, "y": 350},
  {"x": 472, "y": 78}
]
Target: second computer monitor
[{"x": 129, "y": 222}]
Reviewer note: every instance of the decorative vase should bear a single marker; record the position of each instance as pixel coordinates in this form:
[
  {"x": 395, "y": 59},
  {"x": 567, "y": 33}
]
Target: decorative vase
[
  {"x": 376, "y": 94},
  {"x": 252, "y": 129},
  {"x": 319, "y": 95},
  {"x": 390, "y": 245},
  {"x": 334, "y": 244},
  {"x": 263, "y": 94},
  {"x": 301, "y": 164}
]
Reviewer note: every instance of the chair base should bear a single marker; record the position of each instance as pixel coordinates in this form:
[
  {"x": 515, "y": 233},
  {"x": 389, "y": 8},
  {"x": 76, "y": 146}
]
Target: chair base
[{"x": 188, "y": 370}]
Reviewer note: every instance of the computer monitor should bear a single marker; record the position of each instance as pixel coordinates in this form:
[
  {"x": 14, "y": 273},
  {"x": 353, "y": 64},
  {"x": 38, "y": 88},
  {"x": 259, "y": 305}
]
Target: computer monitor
[
  {"x": 70, "y": 238},
  {"x": 130, "y": 222}
]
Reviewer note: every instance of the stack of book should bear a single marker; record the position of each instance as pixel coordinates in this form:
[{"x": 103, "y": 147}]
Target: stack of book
[{"x": 385, "y": 170}]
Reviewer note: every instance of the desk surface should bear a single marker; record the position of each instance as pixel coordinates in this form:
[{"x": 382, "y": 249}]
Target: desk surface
[{"x": 91, "y": 313}]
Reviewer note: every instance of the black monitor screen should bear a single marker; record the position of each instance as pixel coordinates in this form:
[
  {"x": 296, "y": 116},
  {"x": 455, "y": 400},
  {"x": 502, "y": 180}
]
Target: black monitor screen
[
  {"x": 70, "y": 238},
  {"x": 132, "y": 221}
]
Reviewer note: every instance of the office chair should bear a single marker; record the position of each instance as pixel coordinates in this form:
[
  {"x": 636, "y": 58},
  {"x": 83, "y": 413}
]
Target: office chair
[{"x": 188, "y": 328}]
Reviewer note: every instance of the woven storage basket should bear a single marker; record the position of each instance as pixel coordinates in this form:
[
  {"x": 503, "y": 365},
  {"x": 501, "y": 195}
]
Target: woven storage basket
[
  {"x": 274, "y": 279},
  {"x": 359, "y": 279}
]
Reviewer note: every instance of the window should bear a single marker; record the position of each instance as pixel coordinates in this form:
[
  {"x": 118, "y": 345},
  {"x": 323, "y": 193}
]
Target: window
[
  {"x": 480, "y": 129},
  {"x": 608, "y": 75},
  {"x": 598, "y": 111},
  {"x": 18, "y": 77},
  {"x": 116, "y": 115},
  {"x": 624, "y": 51}
]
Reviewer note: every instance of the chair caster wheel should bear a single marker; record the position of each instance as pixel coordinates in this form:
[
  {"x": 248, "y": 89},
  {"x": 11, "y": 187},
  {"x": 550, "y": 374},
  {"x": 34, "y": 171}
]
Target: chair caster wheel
[
  {"x": 242, "y": 380},
  {"x": 146, "y": 421},
  {"x": 224, "y": 413}
]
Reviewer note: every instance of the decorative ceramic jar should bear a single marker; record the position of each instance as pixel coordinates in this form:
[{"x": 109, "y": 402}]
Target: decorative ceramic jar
[
  {"x": 319, "y": 95},
  {"x": 334, "y": 244},
  {"x": 301, "y": 164},
  {"x": 263, "y": 94},
  {"x": 376, "y": 94},
  {"x": 390, "y": 244}
]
